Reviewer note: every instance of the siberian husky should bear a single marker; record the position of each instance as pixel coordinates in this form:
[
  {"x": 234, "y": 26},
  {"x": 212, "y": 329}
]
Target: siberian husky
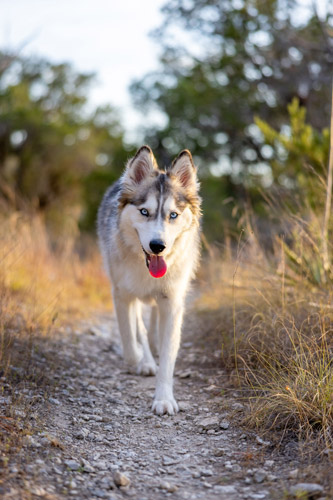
[{"x": 149, "y": 235}]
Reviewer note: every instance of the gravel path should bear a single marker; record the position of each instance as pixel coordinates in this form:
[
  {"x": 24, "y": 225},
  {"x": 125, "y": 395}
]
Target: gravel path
[{"x": 96, "y": 437}]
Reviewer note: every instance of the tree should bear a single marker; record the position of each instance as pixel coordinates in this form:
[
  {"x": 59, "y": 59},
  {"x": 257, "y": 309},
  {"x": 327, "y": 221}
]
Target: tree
[
  {"x": 49, "y": 142},
  {"x": 240, "y": 58}
]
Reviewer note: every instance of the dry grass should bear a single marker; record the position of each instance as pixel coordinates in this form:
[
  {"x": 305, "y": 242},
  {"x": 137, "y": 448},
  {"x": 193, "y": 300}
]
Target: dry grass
[
  {"x": 46, "y": 282},
  {"x": 49, "y": 278},
  {"x": 275, "y": 322}
]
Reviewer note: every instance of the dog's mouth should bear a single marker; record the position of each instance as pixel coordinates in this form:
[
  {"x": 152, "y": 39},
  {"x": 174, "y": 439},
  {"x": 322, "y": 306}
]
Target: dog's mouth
[{"x": 156, "y": 264}]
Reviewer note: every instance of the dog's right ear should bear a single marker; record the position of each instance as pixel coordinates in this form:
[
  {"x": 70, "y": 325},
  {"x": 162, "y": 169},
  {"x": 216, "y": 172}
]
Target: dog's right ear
[{"x": 141, "y": 166}]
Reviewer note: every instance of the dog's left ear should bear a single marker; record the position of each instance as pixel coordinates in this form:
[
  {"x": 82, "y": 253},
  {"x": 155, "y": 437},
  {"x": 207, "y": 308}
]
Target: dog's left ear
[{"x": 184, "y": 169}]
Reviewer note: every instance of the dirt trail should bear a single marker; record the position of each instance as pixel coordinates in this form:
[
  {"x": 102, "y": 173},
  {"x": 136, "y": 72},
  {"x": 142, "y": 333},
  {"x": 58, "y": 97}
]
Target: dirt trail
[{"x": 98, "y": 422}]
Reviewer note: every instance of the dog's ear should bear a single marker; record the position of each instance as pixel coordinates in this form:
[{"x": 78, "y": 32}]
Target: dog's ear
[
  {"x": 184, "y": 169},
  {"x": 141, "y": 166}
]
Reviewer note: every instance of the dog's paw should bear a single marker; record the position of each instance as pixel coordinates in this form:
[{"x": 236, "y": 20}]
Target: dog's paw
[
  {"x": 161, "y": 406},
  {"x": 147, "y": 368}
]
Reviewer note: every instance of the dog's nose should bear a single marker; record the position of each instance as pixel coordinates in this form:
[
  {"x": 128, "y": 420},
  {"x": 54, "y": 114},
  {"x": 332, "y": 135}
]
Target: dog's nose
[{"x": 157, "y": 246}]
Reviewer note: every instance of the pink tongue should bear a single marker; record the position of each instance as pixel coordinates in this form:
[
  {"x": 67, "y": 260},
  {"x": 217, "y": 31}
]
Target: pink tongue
[{"x": 157, "y": 266}]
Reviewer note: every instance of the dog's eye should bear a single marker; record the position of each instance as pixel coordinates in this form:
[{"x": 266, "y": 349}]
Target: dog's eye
[
  {"x": 173, "y": 215},
  {"x": 144, "y": 212}
]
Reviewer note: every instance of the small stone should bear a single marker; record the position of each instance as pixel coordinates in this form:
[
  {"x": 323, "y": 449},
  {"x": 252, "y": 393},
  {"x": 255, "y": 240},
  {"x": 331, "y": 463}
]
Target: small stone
[
  {"x": 218, "y": 452},
  {"x": 237, "y": 406},
  {"x": 224, "y": 424},
  {"x": 54, "y": 401},
  {"x": 97, "y": 492},
  {"x": 260, "y": 476},
  {"x": 293, "y": 474},
  {"x": 261, "y": 441},
  {"x": 312, "y": 489},
  {"x": 271, "y": 477},
  {"x": 208, "y": 423},
  {"x": 269, "y": 463},
  {"x": 120, "y": 479},
  {"x": 196, "y": 475},
  {"x": 206, "y": 472},
  {"x": 227, "y": 490},
  {"x": 169, "y": 460},
  {"x": 101, "y": 465},
  {"x": 72, "y": 465},
  {"x": 88, "y": 468},
  {"x": 184, "y": 406},
  {"x": 170, "y": 488},
  {"x": 31, "y": 442}
]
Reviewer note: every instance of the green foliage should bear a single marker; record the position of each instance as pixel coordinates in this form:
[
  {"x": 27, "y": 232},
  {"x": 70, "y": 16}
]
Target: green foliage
[
  {"x": 235, "y": 59},
  {"x": 300, "y": 155},
  {"x": 49, "y": 142},
  {"x": 299, "y": 168}
]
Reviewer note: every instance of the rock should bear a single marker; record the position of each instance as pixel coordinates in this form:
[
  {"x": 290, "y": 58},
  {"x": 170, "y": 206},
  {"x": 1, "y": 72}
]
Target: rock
[
  {"x": 269, "y": 463},
  {"x": 237, "y": 406},
  {"x": 260, "y": 475},
  {"x": 224, "y": 424},
  {"x": 170, "y": 461},
  {"x": 170, "y": 488},
  {"x": 72, "y": 465},
  {"x": 310, "y": 489},
  {"x": 293, "y": 474},
  {"x": 101, "y": 465},
  {"x": 120, "y": 479},
  {"x": 88, "y": 468},
  {"x": 97, "y": 492},
  {"x": 227, "y": 490},
  {"x": 31, "y": 442},
  {"x": 208, "y": 423},
  {"x": 261, "y": 441},
  {"x": 206, "y": 472},
  {"x": 54, "y": 401}
]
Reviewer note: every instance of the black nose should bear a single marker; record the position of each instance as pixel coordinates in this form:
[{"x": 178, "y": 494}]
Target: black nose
[{"x": 157, "y": 246}]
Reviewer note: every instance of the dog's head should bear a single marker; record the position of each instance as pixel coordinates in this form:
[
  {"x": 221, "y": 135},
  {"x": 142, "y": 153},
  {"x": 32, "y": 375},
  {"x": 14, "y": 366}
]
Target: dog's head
[{"x": 160, "y": 206}]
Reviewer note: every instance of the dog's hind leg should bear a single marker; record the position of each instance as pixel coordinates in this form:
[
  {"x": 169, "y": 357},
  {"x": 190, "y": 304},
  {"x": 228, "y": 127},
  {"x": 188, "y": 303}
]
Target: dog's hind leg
[
  {"x": 126, "y": 310},
  {"x": 147, "y": 365},
  {"x": 153, "y": 335}
]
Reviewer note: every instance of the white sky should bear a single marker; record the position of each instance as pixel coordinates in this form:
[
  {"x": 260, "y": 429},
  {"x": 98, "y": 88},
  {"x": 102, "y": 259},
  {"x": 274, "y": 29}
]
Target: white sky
[{"x": 108, "y": 37}]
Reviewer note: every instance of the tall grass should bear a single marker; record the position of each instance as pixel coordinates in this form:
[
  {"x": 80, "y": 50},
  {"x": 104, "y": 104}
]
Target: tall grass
[
  {"x": 45, "y": 281},
  {"x": 274, "y": 316}
]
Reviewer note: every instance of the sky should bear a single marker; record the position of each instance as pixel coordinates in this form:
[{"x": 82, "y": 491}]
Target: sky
[{"x": 108, "y": 37}]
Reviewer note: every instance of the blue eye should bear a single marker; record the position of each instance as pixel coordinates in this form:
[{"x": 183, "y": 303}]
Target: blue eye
[
  {"x": 144, "y": 212},
  {"x": 173, "y": 215}
]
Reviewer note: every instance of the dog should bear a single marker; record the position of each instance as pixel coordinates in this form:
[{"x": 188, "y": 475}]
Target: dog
[{"x": 148, "y": 228}]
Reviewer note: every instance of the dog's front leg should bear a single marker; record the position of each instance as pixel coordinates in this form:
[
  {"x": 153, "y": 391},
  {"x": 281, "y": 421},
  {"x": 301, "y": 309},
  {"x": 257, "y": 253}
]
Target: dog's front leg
[
  {"x": 171, "y": 315},
  {"x": 127, "y": 318}
]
